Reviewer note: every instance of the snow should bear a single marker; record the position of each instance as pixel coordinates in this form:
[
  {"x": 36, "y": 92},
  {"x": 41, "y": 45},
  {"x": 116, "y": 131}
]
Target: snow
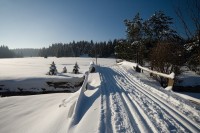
[
  {"x": 87, "y": 107},
  {"x": 113, "y": 99},
  {"x": 33, "y": 114},
  {"x": 30, "y": 74},
  {"x": 171, "y": 76},
  {"x": 130, "y": 64},
  {"x": 188, "y": 78},
  {"x": 194, "y": 97}
]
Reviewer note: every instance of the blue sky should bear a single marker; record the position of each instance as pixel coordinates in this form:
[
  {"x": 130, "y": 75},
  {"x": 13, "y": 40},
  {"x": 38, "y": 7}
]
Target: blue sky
[{"x": 39, "y": 23}]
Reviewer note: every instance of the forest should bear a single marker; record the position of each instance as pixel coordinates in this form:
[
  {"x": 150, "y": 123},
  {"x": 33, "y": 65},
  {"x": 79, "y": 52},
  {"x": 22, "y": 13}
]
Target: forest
[{"x": 80, "y": 48}]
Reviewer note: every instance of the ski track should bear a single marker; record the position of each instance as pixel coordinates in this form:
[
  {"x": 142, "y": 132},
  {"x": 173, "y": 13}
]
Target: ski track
[{"x": 127, "y": 106}]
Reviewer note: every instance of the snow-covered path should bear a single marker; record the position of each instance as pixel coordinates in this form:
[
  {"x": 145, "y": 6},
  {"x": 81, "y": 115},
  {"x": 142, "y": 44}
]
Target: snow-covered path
[{"x": 127, "y": 105}]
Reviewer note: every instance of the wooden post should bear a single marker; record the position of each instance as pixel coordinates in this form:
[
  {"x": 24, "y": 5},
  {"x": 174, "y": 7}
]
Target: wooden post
[{"x": 170, "y": 82}]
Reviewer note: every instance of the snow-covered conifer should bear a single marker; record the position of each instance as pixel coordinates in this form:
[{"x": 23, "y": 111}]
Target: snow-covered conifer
[
  {"x": 53, "y": 70},
  {"x": 76, "y": 67},
  {"x": 64, "y": 70}
]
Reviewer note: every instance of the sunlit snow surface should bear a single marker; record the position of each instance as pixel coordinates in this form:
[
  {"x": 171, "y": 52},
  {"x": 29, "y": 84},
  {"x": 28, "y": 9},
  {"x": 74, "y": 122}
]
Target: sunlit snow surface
[
  {"x": 117, "y": 99},
  {"x": 38, "y": 67},
  {"x": 30, "y": 74}
]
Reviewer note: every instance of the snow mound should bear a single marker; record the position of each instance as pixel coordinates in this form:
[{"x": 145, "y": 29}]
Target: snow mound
[
  {"x": 131, "y": 65},
  {"x": 41, "y": 84},
  {"x": 87, "y": 106},
  {"x": 189, "y": 78}
]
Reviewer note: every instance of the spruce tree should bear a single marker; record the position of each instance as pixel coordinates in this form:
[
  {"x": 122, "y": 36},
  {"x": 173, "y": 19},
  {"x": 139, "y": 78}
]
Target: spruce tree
[
  {"x": 159, "y": 28},
  {"x": 53, "y": 70},
  {"x": 76, "y": 68},
  {"x": 135, "y": 38}
]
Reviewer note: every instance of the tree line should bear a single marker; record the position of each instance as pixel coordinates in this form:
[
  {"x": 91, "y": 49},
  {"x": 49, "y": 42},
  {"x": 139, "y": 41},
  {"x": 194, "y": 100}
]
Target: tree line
[
  {"x": 26, "y": 52},
  {"x": 80, "y": 48},
  {"x": 5, "y": 52}
]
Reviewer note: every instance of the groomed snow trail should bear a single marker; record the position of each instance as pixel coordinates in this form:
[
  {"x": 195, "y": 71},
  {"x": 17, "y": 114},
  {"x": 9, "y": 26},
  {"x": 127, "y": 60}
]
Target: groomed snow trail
[{"x": 128, "y": 106}]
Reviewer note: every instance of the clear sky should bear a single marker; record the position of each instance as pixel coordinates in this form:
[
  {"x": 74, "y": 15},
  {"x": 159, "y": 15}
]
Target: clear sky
[{"x": 39, "y": 23}]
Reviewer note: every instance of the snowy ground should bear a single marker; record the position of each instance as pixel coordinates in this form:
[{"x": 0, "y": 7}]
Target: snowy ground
[
  {"x": 189, "y": 78},
  {"x": 30, "y": 74},
  {"x": 131, "y": 106},
  {"x": 34, "y": 114},
  {"x": 117, "y": 99}
]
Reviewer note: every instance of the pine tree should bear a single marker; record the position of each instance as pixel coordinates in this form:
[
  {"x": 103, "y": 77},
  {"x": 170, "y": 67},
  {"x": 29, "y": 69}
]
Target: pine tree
[
  {"x": 159, "y": 28},
  {"x": 53, "y": 70},
  {"x": 135, "y": 37},
  {"x": 76, "y": 68},
  {"x": 134, "y": 28}
]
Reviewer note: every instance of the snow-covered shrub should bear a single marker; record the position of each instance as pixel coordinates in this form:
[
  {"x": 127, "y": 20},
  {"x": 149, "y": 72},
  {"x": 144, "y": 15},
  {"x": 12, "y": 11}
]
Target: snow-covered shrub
[
  {"x": 92, "y": 67},
  {"x": 64, "y": 70},
  {"x": 76, "y": 68},
  {"x": 45, "y": 56},
  {"x": 53, "y": 70}
]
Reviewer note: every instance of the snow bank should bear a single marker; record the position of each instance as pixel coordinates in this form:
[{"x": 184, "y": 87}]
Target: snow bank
[
  {"x": 85, "y": 109},
  {"x": 188, "y": 78},
  {"x": 126, "y": 63},
  {"x": 130, "y": 64},
  {"x": 194, "y": 97},
  {"x": 171, "y": 76},
  {"x": 29, "y": 74},
  {"x": 77, "y": 107},
  {"x": 88, "y": 114},
  {"x": 42, "y": 84}
]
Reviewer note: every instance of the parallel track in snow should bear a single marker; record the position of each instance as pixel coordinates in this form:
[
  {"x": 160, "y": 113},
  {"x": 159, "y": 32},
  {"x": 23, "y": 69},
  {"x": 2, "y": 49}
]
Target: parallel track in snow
[
  {"x": 112, "y": 111},
  {"x": 130, "y": 107}
]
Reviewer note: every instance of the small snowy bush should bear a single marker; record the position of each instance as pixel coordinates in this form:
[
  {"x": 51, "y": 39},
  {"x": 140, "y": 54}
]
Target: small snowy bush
[
  {"x": 76, "y": 68},
  {"x": 64, "y": 70},
  {"x": 53, "y": 70}
]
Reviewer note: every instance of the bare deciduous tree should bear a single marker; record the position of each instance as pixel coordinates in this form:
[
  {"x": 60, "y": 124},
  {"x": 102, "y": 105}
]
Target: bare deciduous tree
[{"x": 190, "y": 9}]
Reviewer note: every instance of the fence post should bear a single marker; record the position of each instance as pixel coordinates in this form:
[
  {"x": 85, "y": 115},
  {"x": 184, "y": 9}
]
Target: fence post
[{"x": 171, "y": 82}]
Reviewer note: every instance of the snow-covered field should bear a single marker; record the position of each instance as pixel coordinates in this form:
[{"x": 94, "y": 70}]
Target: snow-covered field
[
  {"x": 34, "y": 114},
  {"x": 30, "y": 74},
  {"x": 117, "y": 99}
]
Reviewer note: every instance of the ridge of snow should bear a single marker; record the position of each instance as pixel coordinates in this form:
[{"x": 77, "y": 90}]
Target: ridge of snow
[
  {"x": 87, "y": 106},
  {"x": 83, "y": 109},
  {"x": 130, "y": 64}
]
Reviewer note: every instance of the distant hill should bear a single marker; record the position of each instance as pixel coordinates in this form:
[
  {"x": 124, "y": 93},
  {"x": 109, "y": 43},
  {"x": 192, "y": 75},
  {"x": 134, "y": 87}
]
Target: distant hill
[{"x": 26, "y": 52}]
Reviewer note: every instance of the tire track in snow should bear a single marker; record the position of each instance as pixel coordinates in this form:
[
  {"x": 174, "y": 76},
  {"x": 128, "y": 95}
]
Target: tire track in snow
[{"x": 169, "y": 111}]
